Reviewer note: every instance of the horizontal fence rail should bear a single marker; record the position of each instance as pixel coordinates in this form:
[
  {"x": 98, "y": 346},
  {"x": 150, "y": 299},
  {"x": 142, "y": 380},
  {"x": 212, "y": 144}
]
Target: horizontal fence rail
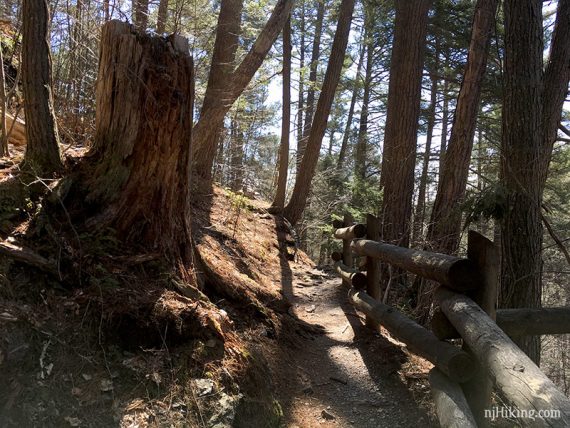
[
  {"x": 462, "y": 379},
  {"x": 452, "y": 361},
  {"x": 512, "y": 371},
  {"x": 454, "y": 272}
]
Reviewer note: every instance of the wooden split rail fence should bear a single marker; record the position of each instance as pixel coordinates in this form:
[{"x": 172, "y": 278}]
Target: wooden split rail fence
[{"x": 462, "y": 379}]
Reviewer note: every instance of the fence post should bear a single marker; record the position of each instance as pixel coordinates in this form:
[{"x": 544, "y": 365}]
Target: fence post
[
  {"x": 346, "y": 251},
  {"x": 372, "y": 265},
  {"x": 486, "y": 255}
]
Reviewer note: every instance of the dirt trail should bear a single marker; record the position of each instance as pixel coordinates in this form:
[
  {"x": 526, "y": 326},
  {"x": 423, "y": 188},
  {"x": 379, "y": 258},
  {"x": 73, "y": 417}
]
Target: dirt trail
[{"x": 346, "y": 375}]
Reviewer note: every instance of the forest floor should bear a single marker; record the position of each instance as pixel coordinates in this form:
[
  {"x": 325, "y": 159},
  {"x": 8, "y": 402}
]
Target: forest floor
[
  {"x": 350, "y": 375},
  {"x": 114, "y": 343}
]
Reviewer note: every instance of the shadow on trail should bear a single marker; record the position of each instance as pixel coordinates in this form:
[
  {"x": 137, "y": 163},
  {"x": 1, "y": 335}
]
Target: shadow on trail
[
  {"x": 286, "y": 273},
  {"x": 355, "y": 378}
]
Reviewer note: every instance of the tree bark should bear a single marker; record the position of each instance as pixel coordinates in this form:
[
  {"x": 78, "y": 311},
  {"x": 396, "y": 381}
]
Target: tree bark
[
  {"x": 355, "y": 93},
  {"x": 301, "y": 102},
  {"x": 521, "y": 229},
  {"x": 315, "y": 55},
  {"x": 106, "y": 11},
  {"x": 3, "y": 121},
  {"x": 212, "y": 116},
  {"x": 296, "y": 205},
  {"x": 420, "y": 213},
  {"x": 361, "y": 144},
  {"x": 140, "y": 175},
  {"x": 400, "y": 136},
  {"x": 556, "y": 78},
  {"x": 222, "y": 66},
  {"x": 42, "y": 152},
  {"x": 162, "y": 16},
  {"x": 279, "y": 201},
  {"x": 236, "y": 156},
  {"x": 445, "y": 223},
  {"x": 444, "y": 126},
  {"x": 140, "y": 18}
]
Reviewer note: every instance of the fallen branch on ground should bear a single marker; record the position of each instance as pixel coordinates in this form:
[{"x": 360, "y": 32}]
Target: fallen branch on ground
[{"x": 29, "y": 257}]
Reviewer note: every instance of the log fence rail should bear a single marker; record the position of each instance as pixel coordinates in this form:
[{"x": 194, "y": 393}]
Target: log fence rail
[{"x": 463, "y": 379}]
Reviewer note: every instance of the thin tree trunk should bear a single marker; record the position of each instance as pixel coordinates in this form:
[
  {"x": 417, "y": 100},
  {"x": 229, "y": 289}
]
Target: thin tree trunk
[
  {"x": 419, "y": 217},
  {"x": 42, "y": 151},
  {"x": 444, "y": 124},
  {"x": 77, "y": 63},
  {"x": 556, "y": 78},
  {"x": 212, "y": 116},
  {"x": 484, "y": 223},
  {"x": 355, "y": 93},
  {"x": 223, "y": 58},
  {"x": 279, "y": 201},
  {"x": 301, "y": 102},
  {"x": 400, "y": 137},
  {"x": 162, "y": 16},
  {"x": 521, "y": 227},
  {"x": 445, "y": 224},
  {"x": 140, "y": 8},
  {"x": 106, "y": 11},
  {"x": 219, "y": 164},
  {"x": 315, "y": 55},
  {"x": 296, "y": 205},
  {"x": 361, "y": 144},
  {"x": 3, "y": 121}
]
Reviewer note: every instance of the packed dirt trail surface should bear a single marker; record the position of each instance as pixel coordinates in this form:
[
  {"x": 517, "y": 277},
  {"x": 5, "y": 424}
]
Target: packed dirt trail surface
[{"x": 345, "y": 374}]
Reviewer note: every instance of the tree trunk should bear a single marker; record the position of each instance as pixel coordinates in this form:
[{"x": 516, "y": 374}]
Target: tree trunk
[
  {"x": 361, "y": 144},
  {"x": 236, "y": 157},
  {"x": 400, "y": 137},
  {"x": 301, "y": 102},
  {"x": 419, "y": 217},
  {"x": 532, "y": 109},
  {"x": 296, "y": 205},
  {"x": 310, "y": 106},
  {"x": 140, "y": 19},
  {"x": 162, "y": 16},
  {"x": 77, "y": 64},
  {"x": 279, "y": 201},
  {"x": 355, "y": 92},
  {"x": 212, "y": 115},
  {"x": 140, "y": 178},
  {"x": 106, "y": 11},
  {"x": 556, "y": 79},
  {"x": 3, "y": 121},
  {"x": 520, "y": 161},
  {"x": 42, "y": 152},
  {"x": 445, "y": 224},
  {"x": 444, "y": 125},
  {"x": 223, "y": 64}
]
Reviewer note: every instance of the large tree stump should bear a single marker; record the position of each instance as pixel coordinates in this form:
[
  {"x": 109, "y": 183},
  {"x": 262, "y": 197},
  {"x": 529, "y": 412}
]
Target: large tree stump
[{"x": 141, "y": 153}]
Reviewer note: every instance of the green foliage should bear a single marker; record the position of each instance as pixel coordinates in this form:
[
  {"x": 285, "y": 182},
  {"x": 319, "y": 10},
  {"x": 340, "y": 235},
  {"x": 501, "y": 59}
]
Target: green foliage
[{"x": 490, "y": 203}]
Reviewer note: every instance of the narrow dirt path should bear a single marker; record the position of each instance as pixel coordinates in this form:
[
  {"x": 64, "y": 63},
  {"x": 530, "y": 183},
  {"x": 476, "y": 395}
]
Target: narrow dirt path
[{"x": 348, "y": 375}]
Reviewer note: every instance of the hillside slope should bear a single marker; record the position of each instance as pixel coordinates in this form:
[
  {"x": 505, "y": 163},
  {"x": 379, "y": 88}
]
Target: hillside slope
[{"x": 261, "y": 340}]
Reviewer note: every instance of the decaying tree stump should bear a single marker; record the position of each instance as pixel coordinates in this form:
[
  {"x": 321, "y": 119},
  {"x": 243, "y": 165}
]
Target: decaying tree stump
[{"x": 141, "y": 154}]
